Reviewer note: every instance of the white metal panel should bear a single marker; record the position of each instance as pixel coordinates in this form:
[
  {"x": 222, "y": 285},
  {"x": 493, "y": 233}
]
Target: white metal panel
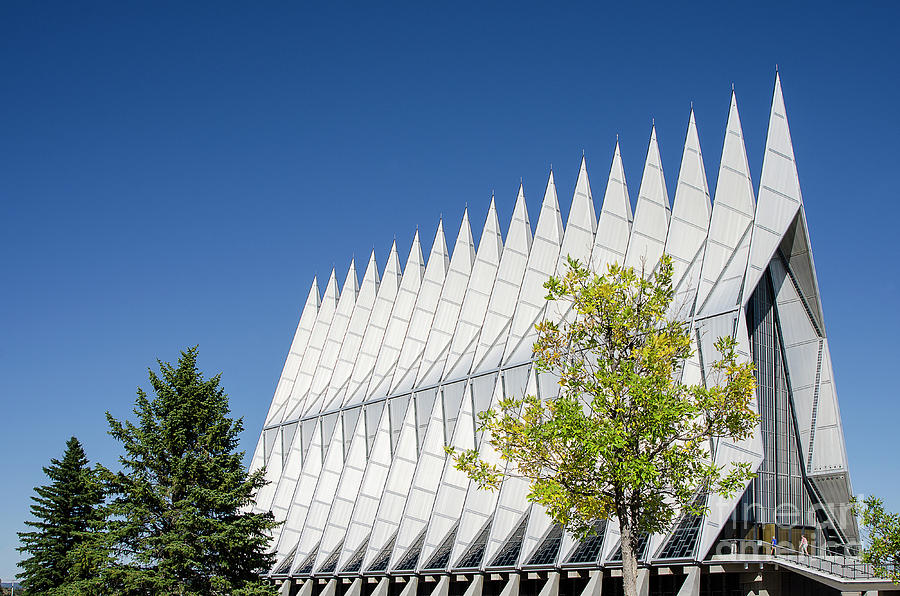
[
  {"x": 542, "y": 262},
  {"x": 331, "y": 349},
  {"x": 340, "y": 370},
  {"x": 802, "y": 351},
  {"x": 430, "y": 467},
  {"x": 399, "y": 481},
  {"x": 436, "y": 337},
  {"x": 505, "y": 294},
  {"x": 421, "y": 321},
  {"x": 310, "y": 514},
  {"x": 451, "y": 492},
  {"x": 829, "y": 451},
  {"x": 360, "y": 522},
  {"x": 295, "y": 356},
  {"x": 614, "y": 227},
  {"x": 512, "y": 503},
  {"x": 398, "y": 324},
  {"x": 363, "y": 362},
  {"x": 581, "y": 226},
  {"x": 479, "y": 504},
  {"x": 779, "y": 192},
  {"x": 327, "y": 308},
  {"x": 462, "y": 346},
  {"x": 447, "y": 315},
  {"x": 651, "y": 214},
  {"x": 749, "y": 450},
  {"x": 689, "y": 225},
  {"x": 347, "y": 492},
  {"x": 299, "y": 476},
  {"x": 731, "y": 225}
]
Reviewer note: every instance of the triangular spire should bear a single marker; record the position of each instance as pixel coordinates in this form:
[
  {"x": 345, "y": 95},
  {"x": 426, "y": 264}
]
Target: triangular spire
[
  {"x": 398, "y": 325},
  {"x": 292, "y": 362},
  {"x": 506, "y": 288},
  {"x": 464, "y": 243},
  {"x": 475, "y": 303},
  {"x": 392, "y": 270},
  {"x": 341, "y": 370},
  {"x": 542, "y": 262},
  {"x": 614, "y": 227},
  {"x": 779, "y": 193},
  {"x": 351, "y": 282},
  {"x": 651, "y": 215},
  {"x": 331, "y": 295},
  {"x": 422, "y": 318},
  {"x": 582, "y": 223},
  {"x": 731, "y": 224},
  {"x": 371, "y": 277},
  {"x": 448, "y": 308},
  {"x": 690, "y": 222}
]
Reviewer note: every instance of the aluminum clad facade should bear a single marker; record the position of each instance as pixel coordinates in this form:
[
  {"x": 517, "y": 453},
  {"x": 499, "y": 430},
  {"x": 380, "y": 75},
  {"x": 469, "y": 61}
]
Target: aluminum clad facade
[{"x": 383, "y": 375}]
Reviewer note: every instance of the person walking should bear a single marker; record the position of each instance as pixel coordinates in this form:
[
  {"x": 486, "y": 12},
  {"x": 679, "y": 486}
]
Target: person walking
[{"x": 804, "y": 545}]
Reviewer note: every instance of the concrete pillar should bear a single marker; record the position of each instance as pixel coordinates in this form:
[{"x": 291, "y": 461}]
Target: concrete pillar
[
  {"x": 512, "y": 586},
  {"x": 691, "y": 585},
  {"x": 442, "y": 588},
  {"x": 382, "y": 588},
  {"x": 594, "y": 586},
  {"x": 306, "y": 589},
  {"x": 285, "y": 589},
  {"x": 476, "y": 587},
  {"x": 551, "y": 587},
  {"x": 643, "y": 582},
  {"x": 410, "y": 588}
]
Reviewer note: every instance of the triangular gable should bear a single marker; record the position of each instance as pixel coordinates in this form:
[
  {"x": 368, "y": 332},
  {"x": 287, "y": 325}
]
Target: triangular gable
[
  {"x": 505, "y": 294},
  {"x": 354, "y": 389},
  {"x": 295, "y": 355},
  {"x": 690, "y": 224},
  {"x": 422, "y": 319},
  {"x": 398, "y": 324},
  {"x": 447, "y": 311},
  {"x": 474, "y": 307},
  {"x": 327, "y": 308},
  {"x": 331, "y": 349},
  {"x": 779, "y": 193},
  {"x": 731, "y": 225},
  {"x": 542, "y": 262},
  {"x": 614, "y": 226},
  {"x": 343, "y": 367},
  {"x": 651, "y": 214}
]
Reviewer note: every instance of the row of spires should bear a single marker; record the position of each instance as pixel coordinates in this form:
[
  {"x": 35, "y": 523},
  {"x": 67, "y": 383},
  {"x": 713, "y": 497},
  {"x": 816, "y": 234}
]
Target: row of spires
[{"x": 702, "y": 237}]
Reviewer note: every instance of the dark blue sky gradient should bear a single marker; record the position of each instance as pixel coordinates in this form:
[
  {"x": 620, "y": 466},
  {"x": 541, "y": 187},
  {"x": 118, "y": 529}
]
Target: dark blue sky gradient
[{"x": 175, "y": 174}]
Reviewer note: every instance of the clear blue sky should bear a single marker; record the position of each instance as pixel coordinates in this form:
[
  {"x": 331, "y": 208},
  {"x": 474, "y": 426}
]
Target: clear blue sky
[{"x": 174, "y": 174}]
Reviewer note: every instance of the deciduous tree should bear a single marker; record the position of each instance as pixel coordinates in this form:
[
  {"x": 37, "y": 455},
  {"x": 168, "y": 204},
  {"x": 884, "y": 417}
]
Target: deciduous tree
[
  {"x": 625, "y": 439},
  {"x": 882, "y": 545}
]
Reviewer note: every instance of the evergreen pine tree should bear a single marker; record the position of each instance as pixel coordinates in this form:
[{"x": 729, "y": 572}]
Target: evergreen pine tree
[
  {"x": 178, "y": 518},
  {"x": 64, "y": 513}
]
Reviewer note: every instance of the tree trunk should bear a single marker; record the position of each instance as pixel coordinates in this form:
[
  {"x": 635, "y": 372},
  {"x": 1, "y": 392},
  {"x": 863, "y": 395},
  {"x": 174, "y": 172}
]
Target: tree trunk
[{"x": 629, "y": 559}]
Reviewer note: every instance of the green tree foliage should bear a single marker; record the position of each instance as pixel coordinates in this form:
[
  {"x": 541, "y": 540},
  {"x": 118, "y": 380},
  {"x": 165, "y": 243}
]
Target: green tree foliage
[
  {"x": 65, "y": 511},
  {"x": 178, "y": 518},
  {"x": 625, "y": 439},
  {"x": 882, "y": 548}
]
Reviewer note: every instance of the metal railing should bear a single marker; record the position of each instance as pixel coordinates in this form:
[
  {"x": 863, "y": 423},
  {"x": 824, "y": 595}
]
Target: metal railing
[{"x": 838, "y": 565}]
